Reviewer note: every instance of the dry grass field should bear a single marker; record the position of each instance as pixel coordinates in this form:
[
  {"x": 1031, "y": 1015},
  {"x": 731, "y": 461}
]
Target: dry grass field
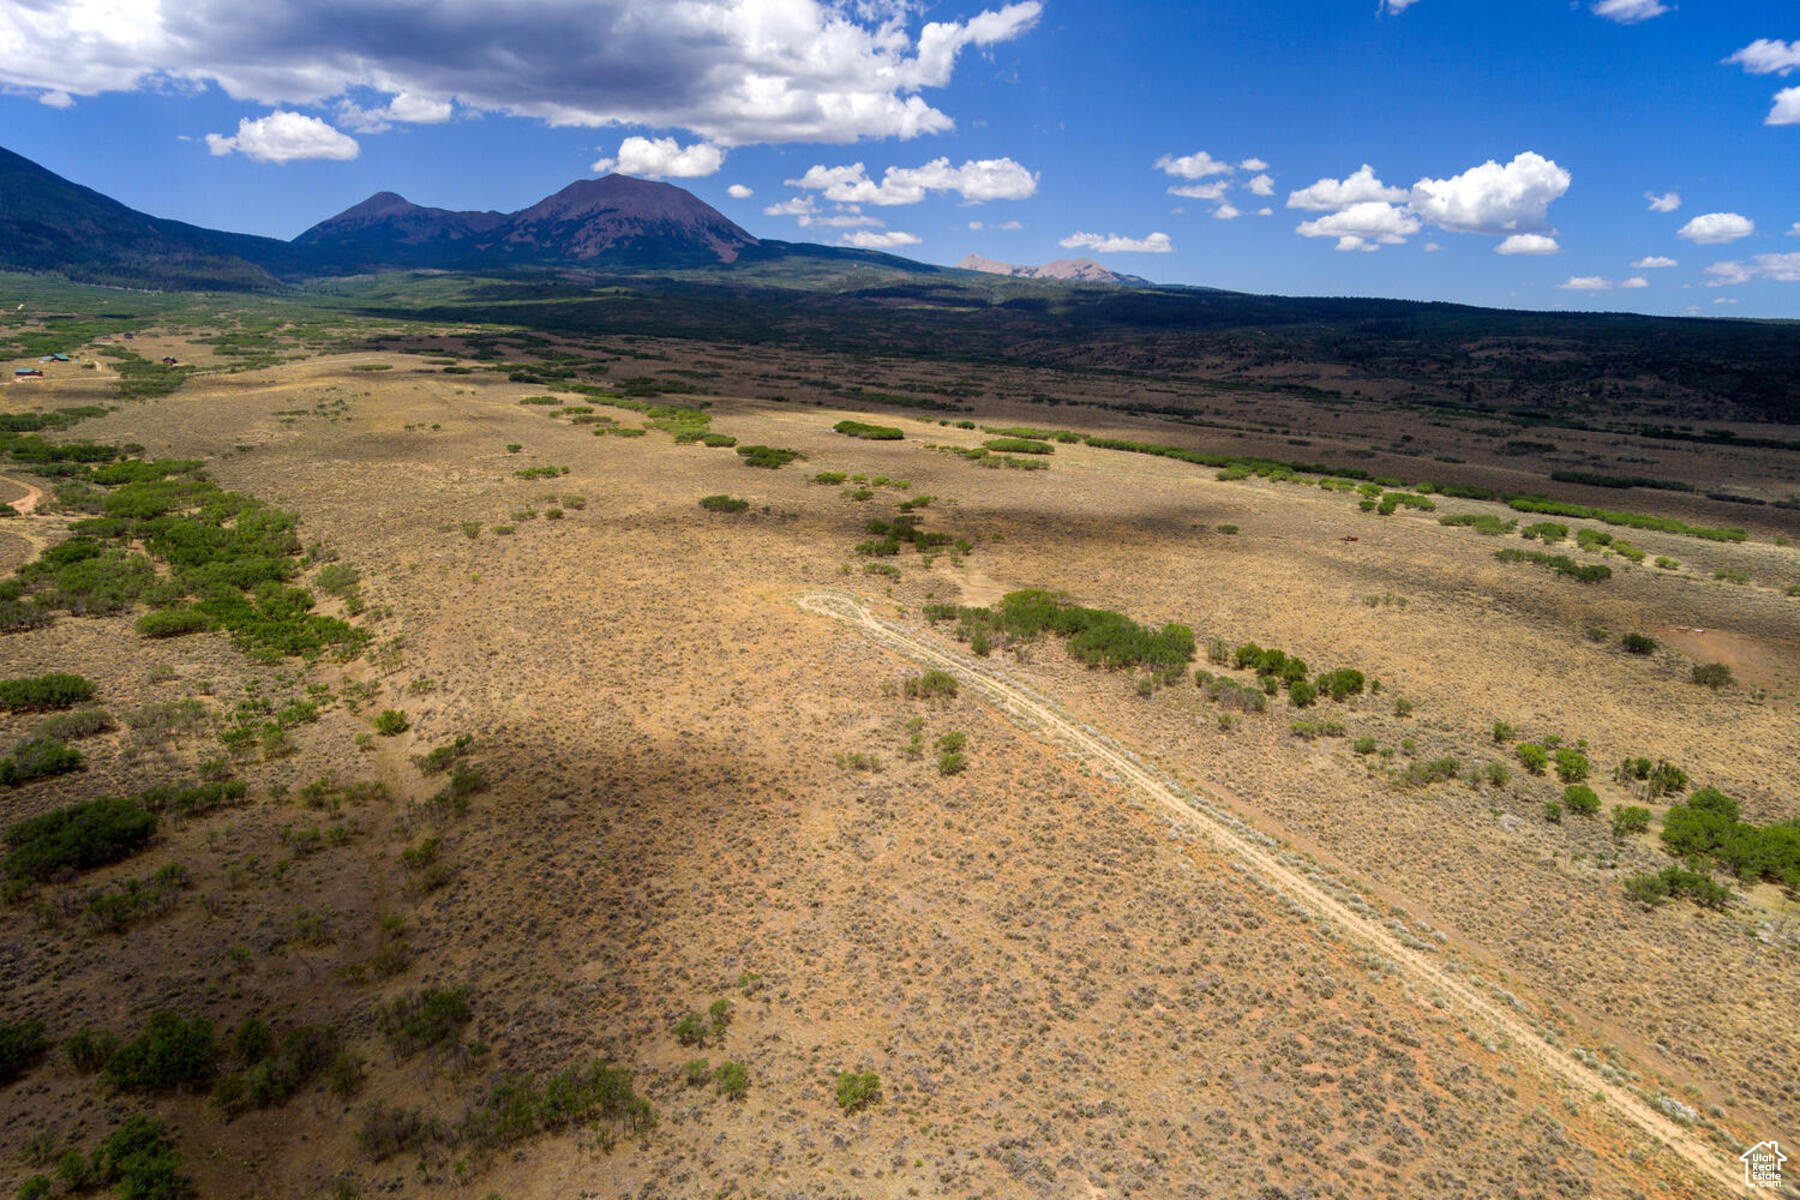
[{"x": 691, "y": 794}]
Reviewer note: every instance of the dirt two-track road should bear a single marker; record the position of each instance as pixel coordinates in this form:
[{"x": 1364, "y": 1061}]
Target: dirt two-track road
[{"x": 1201, "y": 810}]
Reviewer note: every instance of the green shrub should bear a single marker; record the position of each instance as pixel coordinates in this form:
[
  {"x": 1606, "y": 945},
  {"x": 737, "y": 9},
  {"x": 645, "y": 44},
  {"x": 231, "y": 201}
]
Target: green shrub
[
  {"x": 172, "y": 622},
  {"x": 1483, "y": 523},
  {"x": 1301, "y": 694},
  {"x": 857, "y": 1090},
  {"x": 1503, "y": 733},
  {"x": 21, "y": 1045},
  {"x": 1425, "y": 773},
  {"x": 1629, "y": 819},
  {"x": 1549, "y": 531},
  {"x": 1637, "y": 643},
  {"x": 767, "y": 456},
  {"x": 1647, "y": 889},
  {"x": 1698, "y": 886},
  {"x": 723, "y": 503},
  {"x": 76, "y": 838},
  {"x": 732, "y": 1080},
  {"x": 1363, "y": 745},
  {"x": 1533, "y": 756},
  {"x": 692, "y": 1029},
  {"x": 38, "y": 758},
  {"x": 423, "y": 1020},
  {"x": 1712, "y": 675},
  {"x": 1340, "y": 684},
  {"x": 391, "y": 723},
  {"x": 1553, "y": 812},
  {"x": 831, "y": 478},
  {"x": 931, "y": 685},
  {"x": 1571, "y": 765},
  {"x": 139, "y": 1158},
  {"x": 1580, "y": 799},
  {"x": 873, "y": 433},
  {"x": 1018, "y": 446},
  {"x": 952, "y": 762},
  {"x": 1497, "y": 774},
  {"x": 273, "y": 1074},
  {"x": 44, "y": 693},
  {"x": 89, "y": 1051},
  {"x": 171, "y": 1053}
]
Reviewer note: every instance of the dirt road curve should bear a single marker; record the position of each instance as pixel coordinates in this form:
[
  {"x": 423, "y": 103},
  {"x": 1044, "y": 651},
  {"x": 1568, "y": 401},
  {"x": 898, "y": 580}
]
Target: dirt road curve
[
  {"x": 1473, "y": 1004},
  {"x": 27, "y": 504}
]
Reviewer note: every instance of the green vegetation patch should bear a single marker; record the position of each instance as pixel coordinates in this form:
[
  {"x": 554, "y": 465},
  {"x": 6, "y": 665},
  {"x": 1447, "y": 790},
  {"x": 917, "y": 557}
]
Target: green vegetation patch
[
  {"x": 76, "y": 838},
  {"x": 767, "y": 456},
  {"x": 1486, "y": 524},
  {"x": 1708, "y": 830},
  {"x": 1094, "y": 636},
  {"x": 1007, "y": 445},
  {"x": 230, "y": 554},
  {"x": 873, "y": 433},
  {"x": 1559, "y": 508},
  {"x": 44, "y": 693},
  {"x": 1562, "y": 564}
]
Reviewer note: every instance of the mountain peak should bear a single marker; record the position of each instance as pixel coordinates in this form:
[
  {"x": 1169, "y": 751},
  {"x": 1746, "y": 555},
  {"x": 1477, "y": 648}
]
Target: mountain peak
[
  {"x": 1063, "y": 270},
  {"x": 620, "y": 213},
  {"x": 381, "y": 204}
]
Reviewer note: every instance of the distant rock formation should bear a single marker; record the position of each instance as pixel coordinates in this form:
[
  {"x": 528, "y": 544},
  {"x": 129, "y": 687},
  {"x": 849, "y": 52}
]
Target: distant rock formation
[{"x": 1063, "y": 270}]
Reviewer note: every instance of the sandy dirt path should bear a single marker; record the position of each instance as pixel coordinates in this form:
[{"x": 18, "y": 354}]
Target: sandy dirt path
[
  {"x": 27, "y": 504},
  {"x": 1268, "y": 862}
]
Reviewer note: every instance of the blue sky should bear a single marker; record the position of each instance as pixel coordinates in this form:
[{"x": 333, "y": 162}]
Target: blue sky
[{"x": 1020, "y": 131}]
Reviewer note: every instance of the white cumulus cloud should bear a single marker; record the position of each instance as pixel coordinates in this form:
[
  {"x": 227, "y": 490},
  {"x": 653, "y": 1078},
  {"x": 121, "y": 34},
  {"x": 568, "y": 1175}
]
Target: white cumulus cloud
[
  {"x": 738, "y": 191},
  {"x": 798, "y": 206},
  {"x": 1636, "y": 281},
  {"x": 1254, "y": 164},
  {"x": 658, "y": 158},
  {"x": 283, "y": 137},
  {"x": 977, "y": 182},
  {"x": 1261, "y": 185},
  {"x": 1586, "y": 283},
  {"x": 1768, "y": 56},
  {"x": 1227, "y": 212},
  {"x": 1368, "y": 225},
  {"x": 1630, "y": 12},
  {"x": 406, "y": 108},
  {"x": 1356, "y": 188},
  {"x": 1511, "y": 202},
  {"x": 1197, "y": 165},
  {"x": 1667, "y": 202},
  {"x": 1397, "y": 6},
  {"x": 1494, "y": 199},
  {"x": 1112, "y": 243},
  {"x": 56, "y": 100},
  {"x": 1653, "y": 262},
  {"x": 1781, "y": 268},
  {"x": 1528, "y": 243},
  {"x": 1005, "y": 225},
  {"x": 730, "y": 71},
  {"x": 880, "y": 241},
  {"x": 1715, "y": 229},
  {"x": 1200, "y": 191},
  {"x": 1787, "y": 108}
]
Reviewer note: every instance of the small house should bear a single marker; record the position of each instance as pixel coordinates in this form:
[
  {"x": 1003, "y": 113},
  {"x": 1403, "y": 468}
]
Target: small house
[
  {"x": 27, "y": 373},
  {"x": 169, "y": 360},
  {"x": 54, "y": 358}
]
